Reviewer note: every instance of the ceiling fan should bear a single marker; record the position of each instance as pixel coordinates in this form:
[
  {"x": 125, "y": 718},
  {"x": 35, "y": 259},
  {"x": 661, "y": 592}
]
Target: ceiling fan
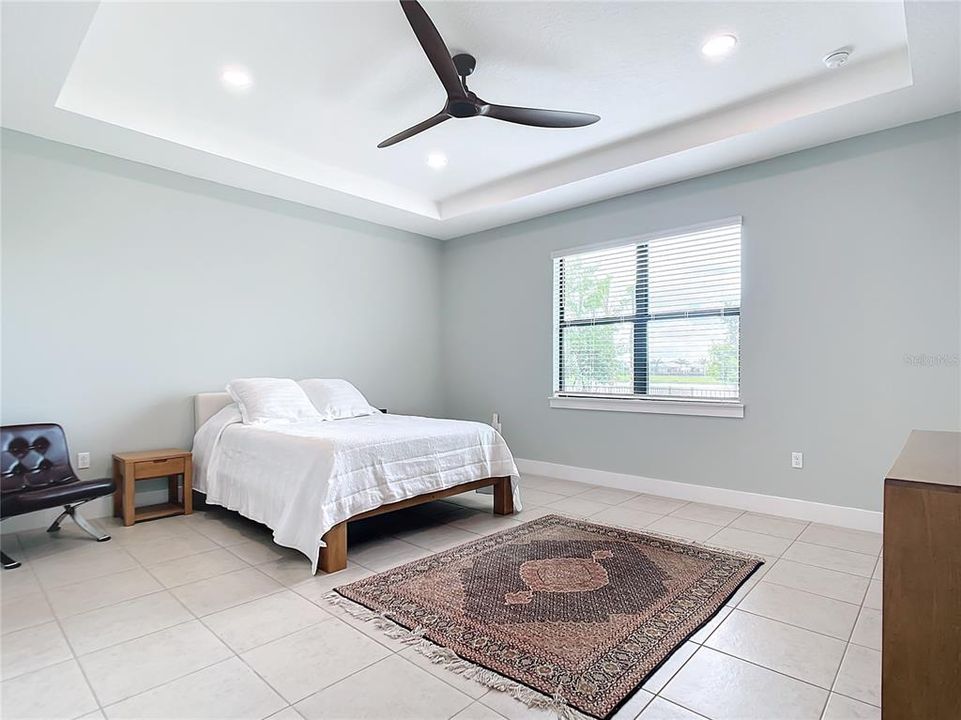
[{"x": 461, "y": 102}]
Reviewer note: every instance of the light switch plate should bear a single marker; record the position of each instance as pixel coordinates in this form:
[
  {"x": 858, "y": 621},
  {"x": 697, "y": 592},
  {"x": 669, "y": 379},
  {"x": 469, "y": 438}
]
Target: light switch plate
[{"x": 83, "y": 460}]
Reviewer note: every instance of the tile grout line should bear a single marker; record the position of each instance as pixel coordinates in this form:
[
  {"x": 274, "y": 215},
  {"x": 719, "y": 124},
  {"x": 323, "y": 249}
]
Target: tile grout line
[
  {"x": 783, "y": 622},
  {"x": 833, "y": 547},
  {"x": 76, "y": 658},
  {"x": 241, "y": 659},
  {"x": 685, "y": 707},
  {"x": 851, "y": 635},
  {"x": 728, "y": 524},
  {"x": 135, "y": 637},
  {"x": 392, "y": 652},
  {"x": 199, "y": 619},
  {"x": 847, "y": 642},
  {"x": 675, "y": 674},
  {"x": 237, "y": 655},
  {"x": 735, "y": 608},
  {"x": 811, "y": 592},
  {"x": 702, "y": 645},
  {"x": 822, "y": 567},
  {"x": 769, "y": 669},
  {"x": 56, "y": 618},
  {"x": 73, "y": 652},
  {"x": 146, "y": 569},
  {"x": 741, "y": 512},
  {"x": 398, "y": 654},
  {"x": 186, "y": 622}
]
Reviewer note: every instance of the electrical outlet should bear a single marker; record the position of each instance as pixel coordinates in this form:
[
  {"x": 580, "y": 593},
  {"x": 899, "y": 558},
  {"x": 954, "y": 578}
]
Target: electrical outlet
[
  {"x": 83, "y": 460},
  {"x": 496, "y": 421},
  {"x": 797, "y": 460}
]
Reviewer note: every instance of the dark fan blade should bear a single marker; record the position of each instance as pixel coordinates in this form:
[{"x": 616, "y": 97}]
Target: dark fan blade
[
  {"x": 418, "y": 128},
  {"x": 539, "y": 118},
  {"x": 434, "y": 47}
]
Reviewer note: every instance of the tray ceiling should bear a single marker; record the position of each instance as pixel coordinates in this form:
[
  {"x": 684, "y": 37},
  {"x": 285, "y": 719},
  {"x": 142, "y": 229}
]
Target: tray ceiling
[{"x": 330, "y": 80}]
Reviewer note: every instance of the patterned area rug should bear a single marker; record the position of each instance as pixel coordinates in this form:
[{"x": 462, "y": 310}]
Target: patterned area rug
[{"x": 580, "y": 613}]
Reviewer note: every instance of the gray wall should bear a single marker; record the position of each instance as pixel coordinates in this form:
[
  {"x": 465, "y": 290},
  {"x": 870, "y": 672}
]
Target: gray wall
[
  {"x": 850, "y": 264},
  {"x": 127, "y": 289}
]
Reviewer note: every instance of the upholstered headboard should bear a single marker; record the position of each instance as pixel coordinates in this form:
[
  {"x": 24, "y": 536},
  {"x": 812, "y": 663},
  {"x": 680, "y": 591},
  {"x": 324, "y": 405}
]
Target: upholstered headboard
[{"x": 206, "y": 405}]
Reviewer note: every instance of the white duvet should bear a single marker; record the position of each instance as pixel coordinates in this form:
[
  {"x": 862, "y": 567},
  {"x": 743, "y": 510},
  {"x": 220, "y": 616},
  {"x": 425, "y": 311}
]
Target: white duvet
[{"x": 302, "y": 479}]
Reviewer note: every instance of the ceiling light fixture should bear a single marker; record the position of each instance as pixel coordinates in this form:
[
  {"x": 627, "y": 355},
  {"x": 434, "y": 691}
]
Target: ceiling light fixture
[
  {"x": 236, "y": 77},
  {"x": 719, "y": 46},
  {"x": 437, "y": 160}
]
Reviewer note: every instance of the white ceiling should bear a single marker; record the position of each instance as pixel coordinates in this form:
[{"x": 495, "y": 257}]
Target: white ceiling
[{"x": 332, "y": 79}]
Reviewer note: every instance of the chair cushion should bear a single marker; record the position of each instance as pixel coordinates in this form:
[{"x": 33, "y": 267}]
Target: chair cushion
[
  {"x": 36, "y": 473},
  {"x": 64, "y": 493},
  {"x": 33, "y": 456}
]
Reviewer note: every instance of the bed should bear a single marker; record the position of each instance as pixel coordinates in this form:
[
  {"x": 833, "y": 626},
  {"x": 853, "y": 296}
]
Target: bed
[{"x": 307, "y": 480}]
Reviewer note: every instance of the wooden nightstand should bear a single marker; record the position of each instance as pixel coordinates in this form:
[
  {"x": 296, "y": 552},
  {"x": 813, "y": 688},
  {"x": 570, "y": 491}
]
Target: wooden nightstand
[{"x": 128, "y": 468}]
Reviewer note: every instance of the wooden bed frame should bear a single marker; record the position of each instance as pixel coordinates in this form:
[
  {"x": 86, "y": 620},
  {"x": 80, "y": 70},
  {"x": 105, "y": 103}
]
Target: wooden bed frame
[{"x": 334, "y": 556}]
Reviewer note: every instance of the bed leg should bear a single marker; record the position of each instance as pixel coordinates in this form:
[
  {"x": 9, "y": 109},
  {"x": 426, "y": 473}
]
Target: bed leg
[
  {"x": 334, "y": 556},
  {"x": 198, "y": 500},
  {"x": 503, "y": 497}
]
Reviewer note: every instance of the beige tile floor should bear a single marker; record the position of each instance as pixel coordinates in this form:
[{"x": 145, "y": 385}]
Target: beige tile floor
[{"x": 203, "y": 616}]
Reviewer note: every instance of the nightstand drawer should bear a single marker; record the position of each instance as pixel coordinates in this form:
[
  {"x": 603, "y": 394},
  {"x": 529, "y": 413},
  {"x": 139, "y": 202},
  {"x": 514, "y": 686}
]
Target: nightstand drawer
[{"x": 158, "y": 468}]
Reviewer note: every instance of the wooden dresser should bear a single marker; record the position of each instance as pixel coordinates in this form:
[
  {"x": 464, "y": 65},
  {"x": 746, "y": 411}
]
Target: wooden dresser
[{"x": 921, "y": 624}]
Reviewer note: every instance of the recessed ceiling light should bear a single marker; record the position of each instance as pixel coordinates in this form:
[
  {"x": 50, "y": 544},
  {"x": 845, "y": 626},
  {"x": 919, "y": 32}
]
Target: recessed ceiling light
[
  {"x": 437, "y": 160},
  {"x": 236, "y": 77},
  {"x": 719, "y": 45}
]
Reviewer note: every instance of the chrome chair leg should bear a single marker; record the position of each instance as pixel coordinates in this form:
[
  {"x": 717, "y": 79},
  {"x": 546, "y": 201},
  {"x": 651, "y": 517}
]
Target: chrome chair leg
[
  {"x": 55, "y": 526},
  {"x": 84, "y": 524},
  {"x": 89, "y": 528},
  {"x": 8, "y": 562}
]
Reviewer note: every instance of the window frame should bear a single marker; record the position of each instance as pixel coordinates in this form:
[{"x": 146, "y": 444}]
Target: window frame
[{"x": 639, "y": 401}]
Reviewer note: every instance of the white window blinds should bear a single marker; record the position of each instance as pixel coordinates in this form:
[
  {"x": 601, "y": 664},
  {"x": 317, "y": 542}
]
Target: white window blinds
[{"x": 658, "y": 317}]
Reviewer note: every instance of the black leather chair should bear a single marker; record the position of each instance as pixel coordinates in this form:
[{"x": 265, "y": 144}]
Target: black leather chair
[{"x": 37, "y": 475}]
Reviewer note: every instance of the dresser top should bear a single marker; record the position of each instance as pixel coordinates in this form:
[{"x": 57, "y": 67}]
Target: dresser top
[{"x": 932, "y": 457}]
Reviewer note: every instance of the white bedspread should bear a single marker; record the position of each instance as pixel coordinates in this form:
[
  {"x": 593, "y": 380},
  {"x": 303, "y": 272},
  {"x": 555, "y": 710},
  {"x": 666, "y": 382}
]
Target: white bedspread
[{"x": 302, "y": 479}]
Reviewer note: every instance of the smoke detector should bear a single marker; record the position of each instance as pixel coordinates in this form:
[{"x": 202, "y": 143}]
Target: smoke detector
[{"x": 836, "y": 59}]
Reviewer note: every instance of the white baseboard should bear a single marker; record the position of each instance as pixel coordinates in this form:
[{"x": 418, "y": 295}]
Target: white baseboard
[{"x": 855, "y": 518}]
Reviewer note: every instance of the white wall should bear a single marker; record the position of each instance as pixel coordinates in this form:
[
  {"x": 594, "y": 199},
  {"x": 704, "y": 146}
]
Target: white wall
[
  {"x": 127, "y": 289},
  {"x": 850, "y": 265}
]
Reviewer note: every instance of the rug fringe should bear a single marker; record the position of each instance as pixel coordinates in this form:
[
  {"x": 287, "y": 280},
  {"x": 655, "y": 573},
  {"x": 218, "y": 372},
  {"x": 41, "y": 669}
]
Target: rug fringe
[{"x": 449, "y": 660}]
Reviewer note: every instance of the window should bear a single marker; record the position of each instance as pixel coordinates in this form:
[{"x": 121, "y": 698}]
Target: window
[{"x": 653, "y": 319}]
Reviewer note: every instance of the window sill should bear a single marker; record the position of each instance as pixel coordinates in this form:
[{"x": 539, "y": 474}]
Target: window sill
[{"x": 664, "y": 407}]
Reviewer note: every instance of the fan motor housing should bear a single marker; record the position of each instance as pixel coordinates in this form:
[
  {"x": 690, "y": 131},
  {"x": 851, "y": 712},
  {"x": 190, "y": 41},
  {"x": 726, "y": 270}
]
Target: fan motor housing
[
  {"x": 464, "y": 63},
  {"x": 463, "y": 108}
]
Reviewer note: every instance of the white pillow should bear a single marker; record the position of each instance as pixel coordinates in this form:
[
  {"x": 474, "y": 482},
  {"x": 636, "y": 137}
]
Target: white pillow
[
  {"x": 336, "y": 399},
  {"x": 271, "y": 400}
]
